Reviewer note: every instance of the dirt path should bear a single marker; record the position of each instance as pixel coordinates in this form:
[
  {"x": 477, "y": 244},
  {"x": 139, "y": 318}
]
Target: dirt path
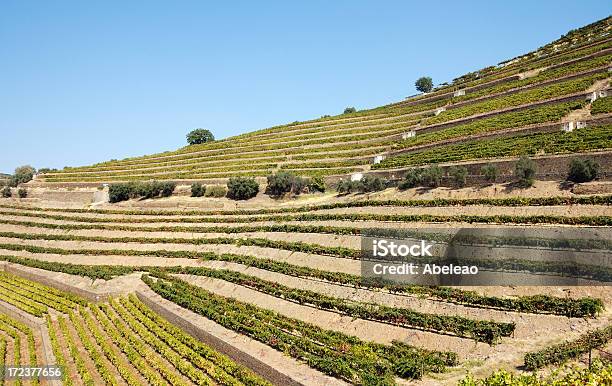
[
  {"x": 480, "y": 210},
  {"x": 534, "y": 230},
  {"x": 328, "y": 240},
  {"x": 10, "y": 348},
  {"x": 105, "y": 260},
  {"x": 540, "y": 189},
  {"x": 316, "y": 238},
  {"x": 569, "y": 211},
  {"x": 327, "y": 263}
]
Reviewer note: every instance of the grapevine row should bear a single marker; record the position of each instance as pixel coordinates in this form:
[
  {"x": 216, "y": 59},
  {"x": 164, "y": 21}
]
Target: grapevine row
[{"x": 582, "y": 307}]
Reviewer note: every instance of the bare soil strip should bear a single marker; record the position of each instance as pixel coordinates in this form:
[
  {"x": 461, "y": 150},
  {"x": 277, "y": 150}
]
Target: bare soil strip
[{"x": 481, "y": 210}]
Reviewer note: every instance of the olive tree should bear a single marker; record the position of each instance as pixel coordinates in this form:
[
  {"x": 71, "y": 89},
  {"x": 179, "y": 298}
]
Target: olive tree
[
  {"x": 424, "y": 84},
  {"x": 198, "y": 136},
  {"x": 525, "y": 171},
  {"x": 22, "y": 175}
]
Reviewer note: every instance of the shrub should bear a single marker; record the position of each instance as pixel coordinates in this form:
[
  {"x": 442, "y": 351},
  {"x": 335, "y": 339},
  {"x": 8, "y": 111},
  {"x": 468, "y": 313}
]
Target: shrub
[
  {"x": 242, "y": 188},
  {"x": 279, "y": 183},
  {"x": 152, "y": 189},
  {"x": 525, "y": 170},
  {"x": 149, "y": 189},
  {"x": 47, "y": 170},
  {"x": 299, "y": 184},
  {"x": 199, "y": 136},
  {"x": 317, "y": 184},
  {"x": 412, "y": 179},
  {"x": 367, "y": 184},
  {"x": 197, "y": 189},
  {"x": 167, "y": 188},
  {"x": 217, "y": 191},
  {"x": 22, "y": 193},
  {"x": 22, "y": 175},
  {"x": 350, "y": 110},
  {"x": 424, "y": 84},
  {"x": 432, "y": 176},
  {"x": 582, "y": 170},
  {"x": 372, "y": 184},
  {"x": 348, "y": 186},
  {"x": 120, "y": 192},
  {"x": 490, "y": 172},
  {"x": 6, "y": 192},
  {"x": 459, "y": 175},
  {"x": 284, "y": 182}
]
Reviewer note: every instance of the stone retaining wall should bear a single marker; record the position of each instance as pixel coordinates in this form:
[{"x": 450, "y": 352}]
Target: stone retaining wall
[
  {"x": 531, "y": 129},
  {"x": 549, "y": 168}
]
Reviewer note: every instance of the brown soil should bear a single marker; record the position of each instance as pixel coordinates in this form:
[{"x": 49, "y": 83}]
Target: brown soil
[
  {"x": 533, "y": 331},
  {"x": 10, "y": 348},
  {"x": 83, "y": 353},
  {"x": 72, "y": 371},
  {"x": 122, "y": 358},
  {"x": 152, "y": 353}
]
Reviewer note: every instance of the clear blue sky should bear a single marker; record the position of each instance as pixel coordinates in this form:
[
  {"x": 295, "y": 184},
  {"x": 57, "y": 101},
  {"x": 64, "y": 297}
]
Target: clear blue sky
[{"x": 84, "y": 81}]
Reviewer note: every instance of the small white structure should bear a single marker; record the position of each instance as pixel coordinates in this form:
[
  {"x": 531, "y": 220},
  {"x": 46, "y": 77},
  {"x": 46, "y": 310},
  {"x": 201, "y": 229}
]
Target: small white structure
[
  {"x": 568, "y": 127},
  {"x": 440, "y": 110},
  {"x": 356, "y": 176},
  {"x": 100, "y": 196},
  {"x": 458, "y": 93},
  {"x": 581, "y": 124},
  {"x": 410, "y": 134},
  {"x": 592, "y": 97},
  {"x": 378, "y": 159}
]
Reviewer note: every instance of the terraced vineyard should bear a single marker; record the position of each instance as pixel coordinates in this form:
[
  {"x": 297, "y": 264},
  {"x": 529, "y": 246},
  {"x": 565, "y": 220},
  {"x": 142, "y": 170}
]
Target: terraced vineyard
[
  {"x": 283, "y": 280},
  {"x": 208, "y": 290},
  {"x": 117, "y": 342},
  {"x": 505, "y": 101}
]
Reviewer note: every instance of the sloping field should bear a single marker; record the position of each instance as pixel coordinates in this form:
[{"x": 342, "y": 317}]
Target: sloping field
[
  {"x": 272, "y": 292},
  {"x": 117, "y": 342},
  {"x": 524, "y": 101},
  {"x": 289, "y": 278}
]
